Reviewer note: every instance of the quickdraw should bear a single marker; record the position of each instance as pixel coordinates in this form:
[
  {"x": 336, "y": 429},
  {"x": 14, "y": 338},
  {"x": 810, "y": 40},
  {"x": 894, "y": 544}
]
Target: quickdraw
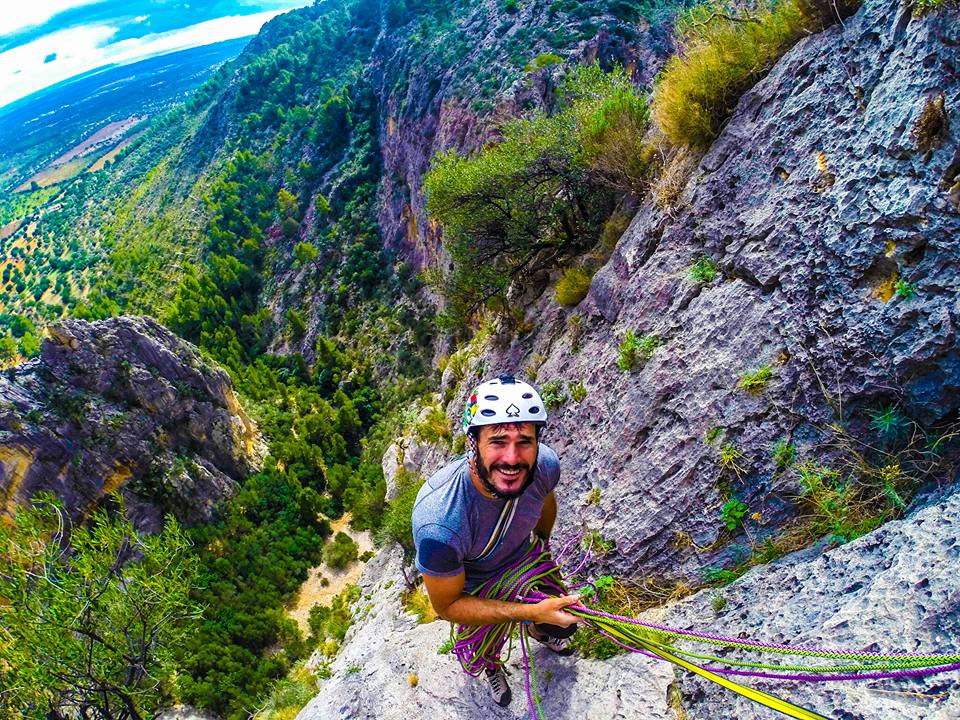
[{"x": 480, "y": 647}]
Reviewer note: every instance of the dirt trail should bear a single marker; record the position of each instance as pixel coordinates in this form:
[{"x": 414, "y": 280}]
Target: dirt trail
[{"x": 312, "y": 592}]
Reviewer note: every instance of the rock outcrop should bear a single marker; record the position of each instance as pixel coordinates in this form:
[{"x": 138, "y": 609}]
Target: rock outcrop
[
  {"x": 813, "y": 203},
  {"x": 892, "y": 590},
  {"x": 123, "y": 404}
]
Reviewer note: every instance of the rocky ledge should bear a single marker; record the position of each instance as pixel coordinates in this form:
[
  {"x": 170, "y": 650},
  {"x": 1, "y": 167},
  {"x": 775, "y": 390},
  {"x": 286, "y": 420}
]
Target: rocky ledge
[
  {"x": 891, "y": 590},
  {"x": 123, "y": 404}
]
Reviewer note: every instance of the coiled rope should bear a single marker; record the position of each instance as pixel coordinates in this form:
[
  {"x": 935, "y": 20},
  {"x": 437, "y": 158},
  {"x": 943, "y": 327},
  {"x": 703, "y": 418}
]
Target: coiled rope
[{"x": 536, "y": 576}]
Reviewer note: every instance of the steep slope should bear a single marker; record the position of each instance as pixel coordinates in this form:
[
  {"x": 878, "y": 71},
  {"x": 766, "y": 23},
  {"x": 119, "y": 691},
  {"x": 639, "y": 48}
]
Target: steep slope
[
  {"x": 812, "y": 204},
  {"x": 827, "y": 325},
  {"x": 123, "y": 405},
  {"x": 872, "y": 594}
]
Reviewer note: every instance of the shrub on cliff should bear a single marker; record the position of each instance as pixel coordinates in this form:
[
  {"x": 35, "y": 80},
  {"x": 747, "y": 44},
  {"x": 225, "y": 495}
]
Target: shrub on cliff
[
  {"x": 540, "y": 195},
  {"x": 92, "y": 627},
  {"x": 341, "y": 552},
  {"x": 724, "y": 49},
  {"x": 572, "y": 286}
]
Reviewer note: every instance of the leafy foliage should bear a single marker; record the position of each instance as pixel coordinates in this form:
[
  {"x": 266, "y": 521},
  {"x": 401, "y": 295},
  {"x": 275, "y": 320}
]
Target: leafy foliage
[
  {"x": 724, "y": 49},
  {"x": 572, "y": 286},
  {"x": 553, "y": 394},
  {"x": 784, "y": 454},
  {"x": 94, "y": 626},
  {"x": 537, "y": 197},
  {"x": 732, "y": 513},
  {"x": 635, "y": 349},
  {"x": 341, "y": 552},
  {"x": 704, "y": 270},
  {"x": 755, "y": 382},
  {"x": 397, "y": 525}
]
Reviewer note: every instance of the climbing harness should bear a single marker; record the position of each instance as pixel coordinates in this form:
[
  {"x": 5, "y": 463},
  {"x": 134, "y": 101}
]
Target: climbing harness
[{"x": 479, "y": 647}]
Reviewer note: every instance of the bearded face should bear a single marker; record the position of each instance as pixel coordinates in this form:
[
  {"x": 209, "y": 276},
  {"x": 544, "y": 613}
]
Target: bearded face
[{"x": 506, "y": 457}]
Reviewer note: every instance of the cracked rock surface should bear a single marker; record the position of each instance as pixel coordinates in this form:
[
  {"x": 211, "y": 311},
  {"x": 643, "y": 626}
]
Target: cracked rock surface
[{"x": 123, "y": 404}]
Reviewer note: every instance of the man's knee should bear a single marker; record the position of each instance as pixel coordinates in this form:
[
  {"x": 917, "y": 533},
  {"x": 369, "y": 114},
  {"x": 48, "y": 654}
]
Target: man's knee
[{"x": 556, "y": 631}]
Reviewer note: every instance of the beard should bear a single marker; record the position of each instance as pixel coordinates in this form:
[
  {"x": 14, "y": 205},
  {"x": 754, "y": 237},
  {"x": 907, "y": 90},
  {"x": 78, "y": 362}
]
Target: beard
[{"x": 485, "y": 473}]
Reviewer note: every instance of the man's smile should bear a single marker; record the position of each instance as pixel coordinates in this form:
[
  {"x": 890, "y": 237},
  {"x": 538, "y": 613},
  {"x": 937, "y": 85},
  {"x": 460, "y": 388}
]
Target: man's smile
[{"x": 511, "y": 473}]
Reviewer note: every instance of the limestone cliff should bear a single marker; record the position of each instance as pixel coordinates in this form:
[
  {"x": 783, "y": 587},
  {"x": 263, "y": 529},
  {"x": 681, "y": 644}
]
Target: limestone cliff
[
  {"x": 819, "y": 196},
  {"x": 123, "y": 404}
]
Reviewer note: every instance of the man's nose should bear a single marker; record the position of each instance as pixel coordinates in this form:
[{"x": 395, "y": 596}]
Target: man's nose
[{"x": 512, "y": 455}]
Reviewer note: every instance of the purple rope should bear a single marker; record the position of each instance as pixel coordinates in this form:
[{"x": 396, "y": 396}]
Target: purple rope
[
  {"x": 884, "y": 675},
  {"x": 537, "y": 596},
  {"x": 820, "y": 677}
]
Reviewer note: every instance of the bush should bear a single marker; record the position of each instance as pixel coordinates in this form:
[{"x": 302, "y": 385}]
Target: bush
[
  {"x": 572, "y": 286},
  {"x": 635, "y": 348},
  {"x": 704, "y": 270},
  {"x": 332, "y": 623},
  {"x": 612, "y": 138},
  {"x": 732, "y": 513},
  {"x": 435, "y": 427},
  {"x": 544, "y": 60},
  {"x": 541, "y": 195},
  {"x": 340, "y": 552},
  {"x": 755, "y": 382},
  {"x": 723, "y": 51},
  {"x": 553, "y": 394},
  {"x": 397, "y": 525}
]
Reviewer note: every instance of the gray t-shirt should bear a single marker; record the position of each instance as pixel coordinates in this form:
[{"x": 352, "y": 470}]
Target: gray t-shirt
[{"x": 457, "y": 529}]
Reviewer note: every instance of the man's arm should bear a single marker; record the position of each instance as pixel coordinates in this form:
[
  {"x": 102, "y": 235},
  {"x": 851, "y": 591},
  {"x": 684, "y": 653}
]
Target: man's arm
[
  {"x": 451, "y": 603},
  {"x": 548, "y": 515}
]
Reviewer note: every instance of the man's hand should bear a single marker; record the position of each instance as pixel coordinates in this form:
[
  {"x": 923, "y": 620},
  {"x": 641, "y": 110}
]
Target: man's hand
[{"x": 550, "y": 611}]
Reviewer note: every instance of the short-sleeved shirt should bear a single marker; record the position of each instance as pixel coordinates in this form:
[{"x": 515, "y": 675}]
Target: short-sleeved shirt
[{"x": 458, "y": 529}]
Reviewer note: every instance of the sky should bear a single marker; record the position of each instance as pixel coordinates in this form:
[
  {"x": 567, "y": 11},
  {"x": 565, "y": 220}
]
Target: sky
[{"x": 43, "y": 42}]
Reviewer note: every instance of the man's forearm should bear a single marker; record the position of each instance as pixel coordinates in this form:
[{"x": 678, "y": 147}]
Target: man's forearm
[{"x": 470, "y": 610}]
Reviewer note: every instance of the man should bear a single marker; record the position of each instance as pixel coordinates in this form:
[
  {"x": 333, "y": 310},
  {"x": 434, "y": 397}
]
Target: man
[{"x": 475, "y": 516}]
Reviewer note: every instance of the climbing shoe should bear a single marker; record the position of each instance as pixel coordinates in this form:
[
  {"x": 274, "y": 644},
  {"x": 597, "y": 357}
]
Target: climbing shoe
[
  {"x": 561, "y": 646},
  {"x": 499, "y": 689}
]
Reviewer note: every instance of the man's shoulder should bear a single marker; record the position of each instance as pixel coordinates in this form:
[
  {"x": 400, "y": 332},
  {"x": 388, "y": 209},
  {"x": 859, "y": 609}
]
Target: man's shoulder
[
  {"x": 441, "y": 494},
  {"x": 548, "y": 456}
]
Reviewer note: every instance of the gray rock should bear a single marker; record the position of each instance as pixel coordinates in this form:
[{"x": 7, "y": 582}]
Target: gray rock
[
  {"x": 894, "y": 590},
  {"x": 811, "y": 202},
  {"x": 123, "y": 404}
]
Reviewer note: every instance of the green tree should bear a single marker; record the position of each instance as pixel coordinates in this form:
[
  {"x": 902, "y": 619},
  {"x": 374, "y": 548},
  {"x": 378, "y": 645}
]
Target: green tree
[
  {"x": 540, "y": 196},
  {"x": 8, "y": 348},
  {"x": 88, "y": 629}
]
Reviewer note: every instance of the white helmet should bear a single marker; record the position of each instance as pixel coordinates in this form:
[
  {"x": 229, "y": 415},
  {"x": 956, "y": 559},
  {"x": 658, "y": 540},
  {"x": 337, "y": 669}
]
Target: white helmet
[{"x": 503, "y": 400}]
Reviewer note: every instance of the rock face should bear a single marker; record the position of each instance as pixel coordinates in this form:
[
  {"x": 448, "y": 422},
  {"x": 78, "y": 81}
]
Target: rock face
[
  {"x": 123, "y": 404},
  {"x": 892, "y": 590},
  {"x": 817, "y": 198},
  {"x": 813, "y": 203},
  {"x": 432, "y": 104},
  {"x": 386, "y": 647}
]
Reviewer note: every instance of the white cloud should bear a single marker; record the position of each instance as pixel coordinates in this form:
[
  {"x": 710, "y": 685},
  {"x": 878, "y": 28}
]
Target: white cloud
[
  {"x": 17, "y": 14},
  {"x": 22, "y": 70}
]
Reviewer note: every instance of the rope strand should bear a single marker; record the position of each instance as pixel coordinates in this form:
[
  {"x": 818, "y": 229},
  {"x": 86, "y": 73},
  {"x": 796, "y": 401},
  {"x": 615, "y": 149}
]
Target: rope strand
[{"x": 479, "y": 647}]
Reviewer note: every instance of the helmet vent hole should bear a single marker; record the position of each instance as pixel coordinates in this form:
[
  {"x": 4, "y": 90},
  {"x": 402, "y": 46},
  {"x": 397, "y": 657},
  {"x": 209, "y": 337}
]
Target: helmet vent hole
[
  {"x": 487, "y": 412},
  {"x": 534, "y": 410},
  {"x": 527, "y": 396},
  {"x": 490, "y": 397}
]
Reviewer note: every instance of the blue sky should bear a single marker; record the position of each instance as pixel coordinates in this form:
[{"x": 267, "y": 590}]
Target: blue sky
[{"x": 45, "y": 41}]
